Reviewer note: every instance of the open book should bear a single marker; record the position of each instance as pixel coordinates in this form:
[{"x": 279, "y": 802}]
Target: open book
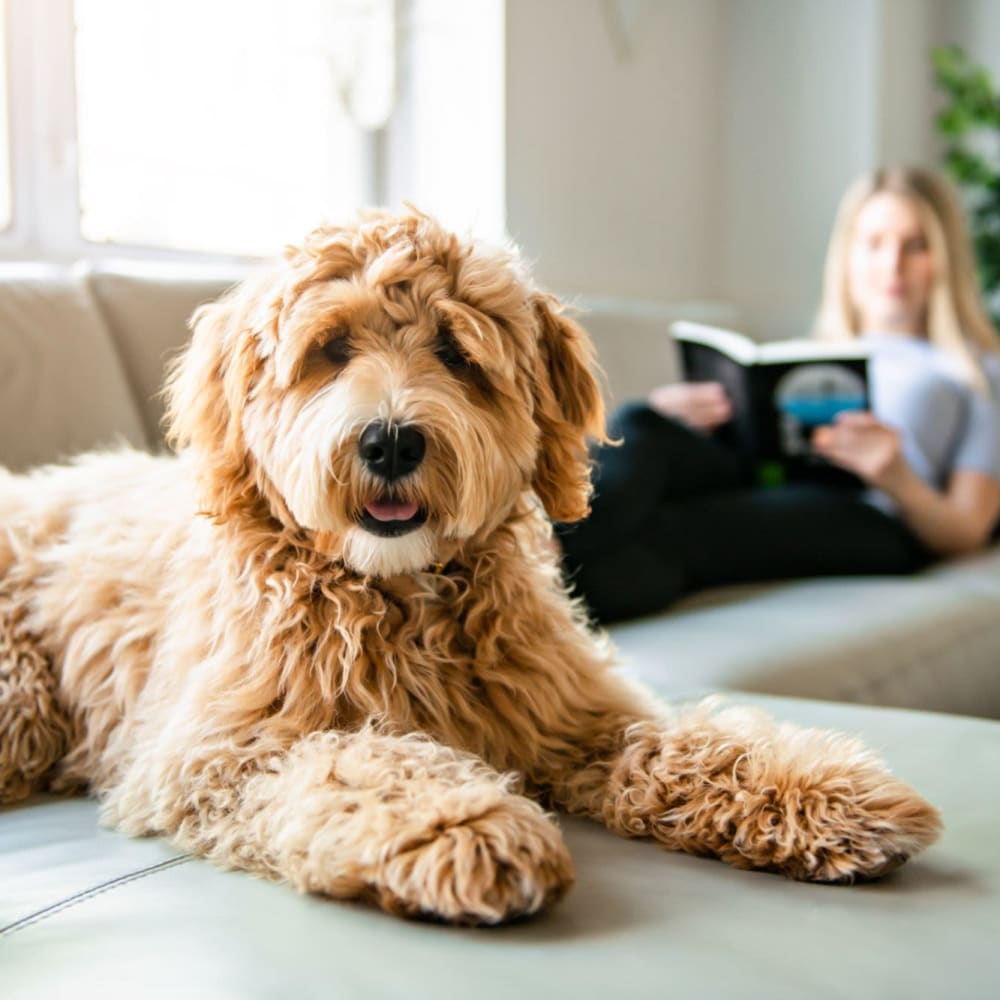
[{"x": 780, "y": 392}]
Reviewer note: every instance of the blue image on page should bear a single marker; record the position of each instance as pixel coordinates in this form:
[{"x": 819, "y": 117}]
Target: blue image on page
[
  {"x": 812, "y": 395},
  {"x": 815, "y": 394}
]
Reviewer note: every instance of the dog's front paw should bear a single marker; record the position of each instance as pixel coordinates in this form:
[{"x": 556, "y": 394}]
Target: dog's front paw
[
  {"x": 839, "y": 820},
  {"x": 506, "y": 863}
]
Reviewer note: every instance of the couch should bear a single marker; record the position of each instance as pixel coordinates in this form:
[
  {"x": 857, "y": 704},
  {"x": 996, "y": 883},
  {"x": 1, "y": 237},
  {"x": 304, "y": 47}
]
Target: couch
[{"x": 84, "y": 910}]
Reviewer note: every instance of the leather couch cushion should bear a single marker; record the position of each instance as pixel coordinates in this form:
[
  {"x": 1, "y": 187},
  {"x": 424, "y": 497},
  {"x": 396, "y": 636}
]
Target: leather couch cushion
[{"x": 88, "y": 912}]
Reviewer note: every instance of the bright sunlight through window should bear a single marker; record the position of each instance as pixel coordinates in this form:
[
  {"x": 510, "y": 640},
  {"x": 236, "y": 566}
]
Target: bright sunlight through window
[{"x": 232, "y": 126}]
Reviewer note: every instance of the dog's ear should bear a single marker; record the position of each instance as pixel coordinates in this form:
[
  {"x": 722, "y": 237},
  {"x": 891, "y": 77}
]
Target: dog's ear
[
  {"x": 568, "y": 411},
  {"x": 205, "y": 392}
]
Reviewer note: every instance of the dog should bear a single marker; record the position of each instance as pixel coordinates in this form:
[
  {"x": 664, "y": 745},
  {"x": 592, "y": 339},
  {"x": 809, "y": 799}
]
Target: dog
[{"x": 328, "y": 641}]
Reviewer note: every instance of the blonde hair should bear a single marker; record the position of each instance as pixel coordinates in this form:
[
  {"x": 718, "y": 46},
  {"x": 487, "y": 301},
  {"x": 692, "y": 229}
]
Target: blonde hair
[{"x": 956, "y": 319}]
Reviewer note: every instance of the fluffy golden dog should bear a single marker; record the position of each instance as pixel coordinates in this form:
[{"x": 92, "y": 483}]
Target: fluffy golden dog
[{"x": 329, "y": 642}]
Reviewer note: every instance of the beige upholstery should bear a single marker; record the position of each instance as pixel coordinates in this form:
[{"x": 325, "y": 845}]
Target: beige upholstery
[
  {"x": 932, "y": 641},
  {"x": 62, "y": 384},
  {"x": 91, "y": 913},
  {"x": 147, "y": 309}
]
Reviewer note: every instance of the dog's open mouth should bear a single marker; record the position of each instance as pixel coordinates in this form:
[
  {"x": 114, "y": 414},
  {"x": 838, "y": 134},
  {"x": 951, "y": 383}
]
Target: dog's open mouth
[{"x": 390, "y": 517}]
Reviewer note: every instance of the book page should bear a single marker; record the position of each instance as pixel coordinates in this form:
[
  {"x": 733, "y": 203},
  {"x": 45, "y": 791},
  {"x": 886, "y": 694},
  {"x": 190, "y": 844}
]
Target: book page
[
  {"x": 809, "y": 349},
  {"x": 734, "y": 345}
]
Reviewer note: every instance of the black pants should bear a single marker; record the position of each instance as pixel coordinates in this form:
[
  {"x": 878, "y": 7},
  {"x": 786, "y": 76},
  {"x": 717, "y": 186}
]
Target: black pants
[{"x": 672, "y": 513}]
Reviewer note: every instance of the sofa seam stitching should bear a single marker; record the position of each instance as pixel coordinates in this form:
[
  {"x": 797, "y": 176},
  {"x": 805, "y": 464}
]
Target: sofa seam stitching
[{"x": 80, "y": 897}]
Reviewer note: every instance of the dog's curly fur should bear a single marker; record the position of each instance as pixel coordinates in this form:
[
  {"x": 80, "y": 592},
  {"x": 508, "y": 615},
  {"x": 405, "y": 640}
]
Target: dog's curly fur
[{"x": 219, "y": 647}]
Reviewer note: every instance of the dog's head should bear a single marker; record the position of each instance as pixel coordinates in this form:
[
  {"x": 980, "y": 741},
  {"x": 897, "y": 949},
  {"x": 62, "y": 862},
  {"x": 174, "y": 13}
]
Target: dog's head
[{"x": 389, "y": 391}]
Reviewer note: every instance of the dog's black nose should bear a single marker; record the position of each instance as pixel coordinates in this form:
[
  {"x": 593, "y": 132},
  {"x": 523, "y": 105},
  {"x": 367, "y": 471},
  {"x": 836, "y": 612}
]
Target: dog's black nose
[{"x": 391, "y": 450}]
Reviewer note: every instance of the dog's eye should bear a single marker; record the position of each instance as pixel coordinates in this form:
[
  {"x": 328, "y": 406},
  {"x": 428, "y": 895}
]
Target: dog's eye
[
  {"x": 338, "y": 351},
  {"x": 448, "y": 352}
]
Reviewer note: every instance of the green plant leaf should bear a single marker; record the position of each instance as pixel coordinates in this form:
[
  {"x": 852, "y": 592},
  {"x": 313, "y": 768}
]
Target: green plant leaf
[{"x": 953, "y": 121}]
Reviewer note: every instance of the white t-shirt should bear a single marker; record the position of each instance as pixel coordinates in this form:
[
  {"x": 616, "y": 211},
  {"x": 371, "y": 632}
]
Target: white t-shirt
[{"x": 945, "y": 424}]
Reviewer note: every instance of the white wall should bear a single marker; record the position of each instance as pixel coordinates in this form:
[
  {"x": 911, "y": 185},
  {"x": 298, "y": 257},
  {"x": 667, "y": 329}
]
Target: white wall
[
  {"x": 612, "y": 164},
  {"x": 708, "y": 164},
  {"x": 799, "y": 123}
]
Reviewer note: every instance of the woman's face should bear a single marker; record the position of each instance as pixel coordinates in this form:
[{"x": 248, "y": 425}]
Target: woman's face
[{"x": 890, "y": 270}]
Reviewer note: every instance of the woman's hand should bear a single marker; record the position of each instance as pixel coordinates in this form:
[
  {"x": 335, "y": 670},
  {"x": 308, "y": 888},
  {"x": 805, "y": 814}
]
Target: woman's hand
[
  {"x": 953, "y": 521},
  {"x": 858, "y": 442},
  {"x": 700, "y": 405}
]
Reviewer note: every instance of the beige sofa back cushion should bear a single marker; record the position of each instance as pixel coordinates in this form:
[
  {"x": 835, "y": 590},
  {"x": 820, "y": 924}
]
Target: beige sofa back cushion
[
  {"x": 62, "y": 387},
  {"x": 147, "y": 309}
]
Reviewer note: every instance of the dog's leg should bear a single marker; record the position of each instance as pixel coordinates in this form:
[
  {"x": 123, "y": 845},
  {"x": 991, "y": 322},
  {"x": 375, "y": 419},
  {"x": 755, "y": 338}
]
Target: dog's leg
[
  {"x": 730, "y": 783},
  {"x": 421, "y": 829},
  {"x": 734, "y": 784},
  {"x": 34, "y": 730}
]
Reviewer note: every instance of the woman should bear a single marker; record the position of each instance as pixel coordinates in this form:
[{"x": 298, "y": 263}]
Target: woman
[{"x": 672, "y": 512}]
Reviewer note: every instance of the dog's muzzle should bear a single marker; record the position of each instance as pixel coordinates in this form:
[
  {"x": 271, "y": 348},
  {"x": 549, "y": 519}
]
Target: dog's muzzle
[{"x": 391, "y": 452}]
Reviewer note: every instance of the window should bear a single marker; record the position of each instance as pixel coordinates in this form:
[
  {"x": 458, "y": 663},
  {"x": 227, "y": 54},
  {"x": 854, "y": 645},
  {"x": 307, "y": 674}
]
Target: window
[
  {"x": 220, "y": 125},
  {"x": 4, "y": 127},
  {"x": 230, "y": 127}
]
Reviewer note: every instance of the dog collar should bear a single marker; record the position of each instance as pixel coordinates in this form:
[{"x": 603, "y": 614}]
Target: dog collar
[{"x": 443, "y": 568}]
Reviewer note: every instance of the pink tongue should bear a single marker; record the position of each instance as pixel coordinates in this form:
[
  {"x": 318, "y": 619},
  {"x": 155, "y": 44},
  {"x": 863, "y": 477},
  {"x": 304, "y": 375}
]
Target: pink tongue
[{"x": 391, "y": 511}]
